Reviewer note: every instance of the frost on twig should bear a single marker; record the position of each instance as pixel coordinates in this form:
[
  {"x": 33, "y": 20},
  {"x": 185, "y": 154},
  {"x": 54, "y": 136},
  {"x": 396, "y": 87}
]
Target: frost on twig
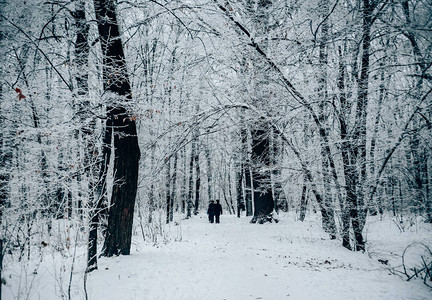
[{"x": 417, "y": 262}]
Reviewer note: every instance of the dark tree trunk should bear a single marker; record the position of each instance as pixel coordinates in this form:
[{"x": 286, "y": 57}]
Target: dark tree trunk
[
  {"x": 126, "y": 163},
  {"x": 357, "y": 176},
  {"x": 428, "y": 193},
  {"x": 1, "y": 265},
  {"x": 239, "y": 189},
  {"x": 209, "y": 174},
  {"x": 151, "y": 193},
  {"x": 345, "y": 108},
  {"x": 69, "y": 202},
  {"x": 327, "y": 208},
  {"x": 82, "y": 50},
  {"x": 382, "y": 94},
  {"x": 103, "y": 164},
  {"x": 174, "y": 188},
  {"x": 5, "y": 160},
  {"x": 189, "y": 203},
  {"x": 303, "y": 201},
  {"x": 419, "y": 170},
  {"x": 4, "y": 182},
  {"x": 280, "y": 199},
  {"x": 261, "y": 131},
  {"x": 230, "y": 195},
  {"x": 246, "y": 170},
  {"x": 184, "y": 185},
  {"x": 263, "y": 198},
  {"x": 248, "y": 191},
  {"x": 92, "y": 243},
  {"x": 127, "y": 153},
  {"x": 197, "y": 173},
  {"x": 168, "y": 190}
]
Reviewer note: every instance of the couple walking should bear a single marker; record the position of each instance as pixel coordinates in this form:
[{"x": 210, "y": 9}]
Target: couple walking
[{"x": 214, "y": 210}]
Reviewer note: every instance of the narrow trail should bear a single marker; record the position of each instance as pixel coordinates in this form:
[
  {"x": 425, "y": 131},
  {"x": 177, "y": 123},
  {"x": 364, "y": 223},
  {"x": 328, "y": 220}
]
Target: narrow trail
[{"x": 237, "y": 260}]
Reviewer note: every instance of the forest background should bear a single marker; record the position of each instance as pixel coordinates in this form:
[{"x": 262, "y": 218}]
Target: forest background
[{"x": 117, "y": 114}]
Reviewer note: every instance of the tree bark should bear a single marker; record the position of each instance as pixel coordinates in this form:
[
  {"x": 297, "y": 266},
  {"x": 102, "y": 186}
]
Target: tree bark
[
  {"x": 357, "y": 176},
  {"x": 327, "y": 208},
  {"x": 82, "y": 50},
  {"x": 303, "y": 201},
  {"x": 184, "y": 192},
  {"x": 174, "y": 188},
  {"x": 189, "y": 203},
  {"x": 382, "y": 94},
  {"x": 127, "y": 153},
  {"x": 167, "y": 189},
  {"x": 4, "y": 184},
  {"x": 263, "y": 198},
  {"x": 345, "y": 108},
  {"x": 197, "y": 173},
  {"x": 209, "y": 174},
  {"x": 246, "y": 170},
  {"x": 280, "y": 199}
]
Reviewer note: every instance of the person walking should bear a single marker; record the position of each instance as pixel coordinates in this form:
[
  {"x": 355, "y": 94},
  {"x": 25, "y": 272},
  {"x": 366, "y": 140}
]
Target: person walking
[
  {"x": 211, "y": 211},
  {"x": 217, "y": 211}
]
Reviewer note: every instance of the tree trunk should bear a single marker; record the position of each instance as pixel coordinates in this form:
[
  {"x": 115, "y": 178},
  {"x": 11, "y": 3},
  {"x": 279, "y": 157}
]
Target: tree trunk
[
  {"x": 248, "y": 191},
  {"x": 197, "y": 173},
  {"x": 345, "y": 108},
  {"x": 126, "y": 163},
  {"x": 127, "y": 153},
  {"x": 5, "y": 160},
  {"x": 82, "y": 50},
  {"x": 151, "y": 194},
  {"x": 209, "y": 173},
  {"x": 1, "y": 262},
  {"x": 303, "y": 201},
  {"x": 327, "y": 209},
  {"x": 356, "y": 191},
  {"x": 4, "y": 183},
  {"x": 263, "y": 198},
  {"x": 191, "y": 178},
  {"x": 280, "y": 199},
  {"x": 239, "y": 168},
  {"x": 184, "y": 192},
  {"x": 230, "y": 194},
  {"x": 239, "y": 191},
  {"x": 246, "y": 170},
  {"x": 382, "y": 94},
  {"x": 167, "y": 189},
  {"x": 174, "y": 188}
]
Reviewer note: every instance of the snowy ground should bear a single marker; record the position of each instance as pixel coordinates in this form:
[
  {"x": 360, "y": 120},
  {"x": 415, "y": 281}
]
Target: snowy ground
[{"x": 232, "y": 260}]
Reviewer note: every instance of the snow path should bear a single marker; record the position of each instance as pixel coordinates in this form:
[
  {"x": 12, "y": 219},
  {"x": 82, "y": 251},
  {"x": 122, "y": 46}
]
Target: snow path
[{"x": 237, "y": 260}]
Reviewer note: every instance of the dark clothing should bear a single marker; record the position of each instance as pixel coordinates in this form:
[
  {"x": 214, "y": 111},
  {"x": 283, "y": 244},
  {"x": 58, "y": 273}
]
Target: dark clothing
[
  {"x": 211, "y": 212},
  {"x": 217, "y": 211}
]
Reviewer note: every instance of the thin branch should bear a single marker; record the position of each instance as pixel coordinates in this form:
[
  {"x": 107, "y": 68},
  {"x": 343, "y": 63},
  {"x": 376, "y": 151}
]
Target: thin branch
[
  {"x": 40, "y": 50},
  {"x": 174, "y": 15},
  {"x": 396, "y": 145},
  {"x": 326, "y": 17}
]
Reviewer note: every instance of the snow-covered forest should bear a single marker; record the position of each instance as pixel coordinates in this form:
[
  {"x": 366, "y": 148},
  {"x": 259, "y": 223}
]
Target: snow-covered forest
[{"x": 309, "y": 120}]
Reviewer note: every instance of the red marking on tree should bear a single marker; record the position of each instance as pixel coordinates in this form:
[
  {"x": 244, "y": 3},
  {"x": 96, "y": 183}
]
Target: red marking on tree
[{"x": 20, "y": 94}]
